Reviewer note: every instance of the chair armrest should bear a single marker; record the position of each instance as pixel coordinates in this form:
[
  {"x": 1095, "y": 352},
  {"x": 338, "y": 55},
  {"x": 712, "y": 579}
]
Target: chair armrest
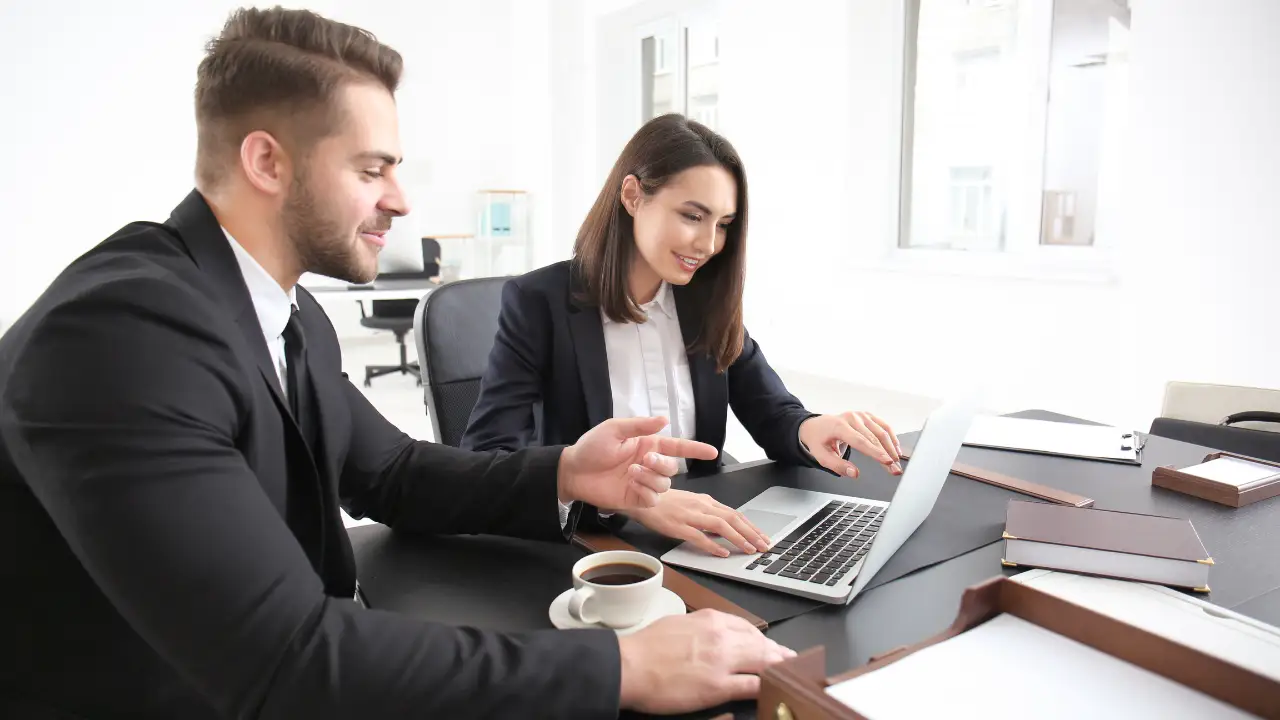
[{"x": 1251, "y": 416}]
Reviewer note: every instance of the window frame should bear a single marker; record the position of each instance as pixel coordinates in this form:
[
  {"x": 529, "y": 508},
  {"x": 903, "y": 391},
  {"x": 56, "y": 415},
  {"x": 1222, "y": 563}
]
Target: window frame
[{"x": 1021, "y": 254}]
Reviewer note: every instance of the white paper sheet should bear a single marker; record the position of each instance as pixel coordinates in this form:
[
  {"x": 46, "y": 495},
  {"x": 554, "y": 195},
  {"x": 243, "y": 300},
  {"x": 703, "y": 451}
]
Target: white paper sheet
[
  {"x": 1232, "y": 471},
  {"x": 1010, "y": 668},
  {"x": 1185, "y": 619},
  {"x": 1044, "y": 436}
]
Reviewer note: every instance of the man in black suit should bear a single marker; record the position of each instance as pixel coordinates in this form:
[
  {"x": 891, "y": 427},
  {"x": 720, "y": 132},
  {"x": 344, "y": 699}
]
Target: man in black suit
[{"x": 177, "y": 438}]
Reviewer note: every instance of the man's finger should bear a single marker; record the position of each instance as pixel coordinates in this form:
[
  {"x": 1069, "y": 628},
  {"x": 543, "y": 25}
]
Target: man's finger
[
  {"x": 661, "y": 464},
  {"x": 741, "y": 687},
  {"x": 691, "y": 449},
  {"x": 751, "y": 653},
  {"x": 744, "y": 527},
  {"x": 637, "y": 426},
  {"x": 702, "y": 542},
  {"x": 639, "y": 496},
  {"x": 724, "y": 529},
  {"x": 645, "y": 477}
]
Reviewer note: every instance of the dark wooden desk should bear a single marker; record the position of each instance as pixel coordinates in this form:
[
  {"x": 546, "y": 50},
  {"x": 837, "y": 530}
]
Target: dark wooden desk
[{"x": 437, "y": 578}]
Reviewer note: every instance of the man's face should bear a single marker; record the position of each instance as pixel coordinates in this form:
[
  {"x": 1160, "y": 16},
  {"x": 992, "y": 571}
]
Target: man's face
[{"x": 345, "y": 193}]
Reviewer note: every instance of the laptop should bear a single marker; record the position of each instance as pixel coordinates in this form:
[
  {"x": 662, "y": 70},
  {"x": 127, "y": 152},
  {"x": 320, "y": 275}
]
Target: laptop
[{"x": 832, "y": 545}]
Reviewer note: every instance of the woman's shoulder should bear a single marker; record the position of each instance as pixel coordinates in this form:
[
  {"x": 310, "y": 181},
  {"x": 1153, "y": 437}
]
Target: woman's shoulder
[{"x": 551, "y": 281}]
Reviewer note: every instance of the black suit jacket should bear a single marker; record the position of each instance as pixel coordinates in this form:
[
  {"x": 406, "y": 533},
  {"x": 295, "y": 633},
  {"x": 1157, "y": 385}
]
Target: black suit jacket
[
  {"x": 174, "y": 548},
  {"x": 547, "y": 381}
]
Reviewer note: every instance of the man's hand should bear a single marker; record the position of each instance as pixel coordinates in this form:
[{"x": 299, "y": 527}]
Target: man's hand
[
  {"x": 621, "y": 465},
  {"x": 690, "y": 662},
  {"x": 685, "y": 516},
  {"x": 826, "y": 436}
]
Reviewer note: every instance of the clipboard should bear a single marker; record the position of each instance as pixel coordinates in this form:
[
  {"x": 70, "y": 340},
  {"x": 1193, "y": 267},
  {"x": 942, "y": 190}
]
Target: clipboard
[
  {"x": 1263, "y": 483},
  {"x": 1046, "y": 437},
  {"x": 796, "y": 689}
]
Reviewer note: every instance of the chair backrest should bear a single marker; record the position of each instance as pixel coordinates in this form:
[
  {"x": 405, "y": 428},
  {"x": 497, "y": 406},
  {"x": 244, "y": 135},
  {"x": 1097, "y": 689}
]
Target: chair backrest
[
  {"x": 1244, "y": 441},
  {"x": 393, "y": 308},
  {"x": 1211, "y": 403},
  {"x": 454, "y": 328},
  {"x": 430, "y": 257}
]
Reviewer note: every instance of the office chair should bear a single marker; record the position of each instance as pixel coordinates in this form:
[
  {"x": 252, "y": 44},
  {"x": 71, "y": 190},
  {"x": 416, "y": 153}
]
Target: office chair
[
  {"x": 1236, "y": 419},
  {"x": 454, "y": 328},
  {"x": 397, "y": 315}
]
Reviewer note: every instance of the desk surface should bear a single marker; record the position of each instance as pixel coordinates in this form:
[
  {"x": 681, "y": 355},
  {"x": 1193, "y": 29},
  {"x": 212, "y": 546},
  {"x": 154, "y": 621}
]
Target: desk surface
[
  {"x": 393, "y": 289},
  {"x": 439, "y": 581}
]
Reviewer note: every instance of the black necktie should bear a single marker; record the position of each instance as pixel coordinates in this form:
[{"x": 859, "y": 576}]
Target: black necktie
[
  {"x": 297, "y": 381},
  {"x": 313, "y": 513}
]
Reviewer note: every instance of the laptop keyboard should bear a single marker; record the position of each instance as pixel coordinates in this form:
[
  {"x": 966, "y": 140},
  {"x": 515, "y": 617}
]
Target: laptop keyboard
[{"x": 826, "y": 546}]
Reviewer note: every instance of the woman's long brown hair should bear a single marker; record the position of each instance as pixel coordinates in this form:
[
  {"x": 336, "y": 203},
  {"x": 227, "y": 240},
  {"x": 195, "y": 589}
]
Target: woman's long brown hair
[{"x": 605, "y": 248}]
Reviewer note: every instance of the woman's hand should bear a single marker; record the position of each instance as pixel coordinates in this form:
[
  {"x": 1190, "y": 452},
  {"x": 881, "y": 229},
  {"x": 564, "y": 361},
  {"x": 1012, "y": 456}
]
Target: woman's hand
[
  {"x": 826, "y": 437},
  {"x": 688, "y": 516}
]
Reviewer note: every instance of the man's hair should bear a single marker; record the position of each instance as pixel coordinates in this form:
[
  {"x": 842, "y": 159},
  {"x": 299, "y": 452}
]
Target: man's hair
[{"x": 280, "y": 71}]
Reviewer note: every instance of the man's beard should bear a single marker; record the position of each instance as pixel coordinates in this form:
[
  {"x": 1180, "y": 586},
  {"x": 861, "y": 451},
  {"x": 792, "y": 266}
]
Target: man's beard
[{"x": 324, "y": 246}]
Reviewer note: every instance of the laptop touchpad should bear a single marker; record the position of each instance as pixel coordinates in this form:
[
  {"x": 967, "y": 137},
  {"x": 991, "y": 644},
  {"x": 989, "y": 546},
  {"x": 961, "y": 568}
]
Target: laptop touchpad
[{"x": 770, "y": 523}]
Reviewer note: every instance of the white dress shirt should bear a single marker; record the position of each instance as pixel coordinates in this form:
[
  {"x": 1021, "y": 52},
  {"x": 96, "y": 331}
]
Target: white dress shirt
[
  {"x": 271, "y": 303},
  {"x": 649, "y": 371},
  {"x": 274, "y": 307},
  {"x": 649, "y": 367}
]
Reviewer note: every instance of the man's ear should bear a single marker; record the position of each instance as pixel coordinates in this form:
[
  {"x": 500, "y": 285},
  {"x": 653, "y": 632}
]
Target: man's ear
[
  {"x": 631, "y": 194},
  {"x": 265, "y": 162}
]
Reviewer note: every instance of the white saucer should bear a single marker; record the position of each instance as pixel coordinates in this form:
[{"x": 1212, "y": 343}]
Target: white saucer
[{"x": 665, "y": 604}]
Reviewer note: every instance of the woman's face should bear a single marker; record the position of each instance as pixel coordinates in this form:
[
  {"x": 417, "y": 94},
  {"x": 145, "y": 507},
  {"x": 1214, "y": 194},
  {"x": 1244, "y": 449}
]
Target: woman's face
[{"x": 681, "y": 226}]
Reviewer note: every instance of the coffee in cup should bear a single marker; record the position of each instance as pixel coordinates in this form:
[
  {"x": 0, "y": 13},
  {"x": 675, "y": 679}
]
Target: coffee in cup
[{"x": 614, "y": 588}]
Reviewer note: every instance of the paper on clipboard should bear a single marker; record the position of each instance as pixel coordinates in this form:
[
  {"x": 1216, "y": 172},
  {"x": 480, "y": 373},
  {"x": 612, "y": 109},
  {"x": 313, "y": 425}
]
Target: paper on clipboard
[{"x": 1089, "y": 442}]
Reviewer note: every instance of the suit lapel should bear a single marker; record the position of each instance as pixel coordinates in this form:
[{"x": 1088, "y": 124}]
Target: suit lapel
[
  {"x": 587, "y": 329},
  {"x": 710, "y": 391},
  {"x": 324, "y": 376},
  {"x": 199, "y": 231},
  {"x": 326, "y": 395},
  {"x": 204, "y": 239}
]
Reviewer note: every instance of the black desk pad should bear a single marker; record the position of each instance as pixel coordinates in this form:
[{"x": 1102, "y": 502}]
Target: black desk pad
[
  {"x": 494, "y": 583},
  {"x": 463, "y": 580}
]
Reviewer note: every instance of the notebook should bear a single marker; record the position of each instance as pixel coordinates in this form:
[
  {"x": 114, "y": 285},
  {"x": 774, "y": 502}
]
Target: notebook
[
  {"x": 1089, "y": 442},
  {"x": 1128, "y": 546}
]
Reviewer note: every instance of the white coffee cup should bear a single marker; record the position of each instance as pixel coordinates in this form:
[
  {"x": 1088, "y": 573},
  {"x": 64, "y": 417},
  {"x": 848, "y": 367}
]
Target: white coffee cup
[{"x": 601, "y": 595}]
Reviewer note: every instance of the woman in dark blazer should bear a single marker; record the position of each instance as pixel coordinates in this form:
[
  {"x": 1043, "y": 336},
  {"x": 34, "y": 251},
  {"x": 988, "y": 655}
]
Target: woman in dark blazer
[{"x": 646, "y": 320}]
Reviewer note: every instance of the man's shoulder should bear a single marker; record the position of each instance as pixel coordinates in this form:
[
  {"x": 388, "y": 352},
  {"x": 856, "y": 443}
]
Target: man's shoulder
[
  {"x": 139, "y": 253},
  {"x": 141, "y": 268}
]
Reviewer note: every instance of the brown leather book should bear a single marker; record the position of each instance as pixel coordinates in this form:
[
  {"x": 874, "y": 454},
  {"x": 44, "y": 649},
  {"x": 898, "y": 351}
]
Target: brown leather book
[{"x": 1128, "y": 546}]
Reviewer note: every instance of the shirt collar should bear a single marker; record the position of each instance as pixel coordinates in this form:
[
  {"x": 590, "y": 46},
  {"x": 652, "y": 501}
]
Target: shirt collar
[
  {"x": 272, "y": 305},
  {"x": 664, "y": 301}
]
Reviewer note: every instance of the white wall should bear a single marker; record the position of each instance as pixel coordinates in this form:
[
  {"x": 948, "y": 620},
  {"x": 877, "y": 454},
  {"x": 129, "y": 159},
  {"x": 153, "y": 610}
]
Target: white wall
[
  {"x": 810, "y": 98},
  {"x": 99, "y": 129},
  {"x": 98, "y": 132}
]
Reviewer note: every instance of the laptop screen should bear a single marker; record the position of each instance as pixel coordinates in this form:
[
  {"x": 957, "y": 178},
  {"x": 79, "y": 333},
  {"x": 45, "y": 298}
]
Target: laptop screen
[{"x": 921, "y": 483}]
